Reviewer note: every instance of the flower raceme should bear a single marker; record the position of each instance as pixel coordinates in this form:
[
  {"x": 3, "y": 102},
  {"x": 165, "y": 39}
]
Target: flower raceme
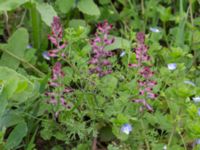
[
  {"x": 56, "y": 37},
  {"x": 145, "y": 83},
  {"x": 99, "y": 63},
  {"x": 58, "y": 96}
]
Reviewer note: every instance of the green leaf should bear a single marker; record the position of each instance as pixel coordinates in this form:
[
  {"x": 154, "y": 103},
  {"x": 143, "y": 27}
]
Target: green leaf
[
  {"x": 119, "y": 43},
  {"x": 165, "y": 13},
  {"x": 47, "y": 12},
  {"x": 88, "y": 7},
  {"x": 106, "y": 134},
  {"x": 9, "y": 119},
  {"x": 4, "y": 103},
  {"x": 10, "y": 87},
  {"x": 65, "y": 5},
  {"x": 16, "y": 86},
  {"x": 7, "y": 5},
  {"x": 76, "y": 23},
  {"x": 17, "y": 135},
  {"x": 17, "y": 44},
  {"x": 108, "y": 85}
]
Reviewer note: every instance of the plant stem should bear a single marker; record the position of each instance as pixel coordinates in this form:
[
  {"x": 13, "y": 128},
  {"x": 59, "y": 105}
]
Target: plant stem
[
  {"x": 182, "y": 139},
  {"x": 6, "y": 22},
  {"x": 171, "y": 136},
  {"x": 41, "y": 74},
  {"x": 94, "y": 143},
  {"x": 144, "y": 133},
  {"x": 36, "y": 26},
  {"x": 22, "y": 19},
  {"x": 142, "y": 7}
]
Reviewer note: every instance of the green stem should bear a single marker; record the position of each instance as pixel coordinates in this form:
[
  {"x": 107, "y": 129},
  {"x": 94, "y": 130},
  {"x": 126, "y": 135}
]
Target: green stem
[
  {"x": 41, "y": 74},
  {"x": 144, "y": 133},
  {"x": 36, "y": 26},
  {"x": 182, "y": 139},
  {"x": 142, "y": 7},
  {"x": 171, "y": 136},
  {"x": 6, "y": 22}
]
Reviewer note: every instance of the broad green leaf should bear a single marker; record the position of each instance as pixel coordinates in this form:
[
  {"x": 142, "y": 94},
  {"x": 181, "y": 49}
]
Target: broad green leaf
[
  {"x": 4, "y": 103},
  {"x": 10, "y": 87},
  {"x": 17, "y": 135},
  {"x": 88, "y": 7},
  {"x": 17, "y": 44},
  {"x": 65, "y": 5},
  {"x": 16, "y": 86},
  {"x": 119, "y": 43},
  {"x": 7, "y": 5},
  {"x": 9, "y": 119},
  {"x": 47, "y": 12},
  {"x": 7, "y": 74}
]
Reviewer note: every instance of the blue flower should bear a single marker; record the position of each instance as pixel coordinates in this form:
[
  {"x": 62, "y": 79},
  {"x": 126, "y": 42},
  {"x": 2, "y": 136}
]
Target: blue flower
[
  {"x": 198, "y": 111},
  {"x": 165, "y": 147},
  {"x": 197, "y": 141},
  {"x": 172, "y": 66},
  {"x": 196, "y": 99},
  {"x": 189, "y": 82},
  {"x": 46, "y": 55},
  {"x": 29, "y": 46},
  {"x": 122, "y": 54},
  {"x": 155, "y": 30},
  {"x": 126, "y": 128}
]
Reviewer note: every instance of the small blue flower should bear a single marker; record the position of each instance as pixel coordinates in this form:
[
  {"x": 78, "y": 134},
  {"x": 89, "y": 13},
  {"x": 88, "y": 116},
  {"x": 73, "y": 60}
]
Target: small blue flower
[
  {"x": 197, "y": 141},
  {"x": 29, "y": 46},
  {"x": 155, "y": 30},
  {"x": 165, "y": 147},
  {"x": 189, "y": 82},
  {"x": 198, "y": 111},
  {"x": 126, "y": 128},
  {"x": 172, "y": 66},
  {"x": 196, "y": 99},
  {"x": 46, "y": 55},
  {"x": 122, "y": 54}
]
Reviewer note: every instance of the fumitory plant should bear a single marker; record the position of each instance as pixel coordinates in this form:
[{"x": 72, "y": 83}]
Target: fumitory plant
[
  {"x": 145, "y": 81},
  {"x": 76, "y": 82}
]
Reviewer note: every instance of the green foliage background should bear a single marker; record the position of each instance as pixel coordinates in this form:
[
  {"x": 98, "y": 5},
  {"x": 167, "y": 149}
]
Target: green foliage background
[{"x": 99, "y": 110}]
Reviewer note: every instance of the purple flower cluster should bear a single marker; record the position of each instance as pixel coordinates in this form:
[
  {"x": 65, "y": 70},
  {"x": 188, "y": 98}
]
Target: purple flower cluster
[
  {"x": 145, "y": 84},
  {"x": 99, "y": 63},
  {"x": 56, "y": 37},
  {"x": 58, "y": 90}
]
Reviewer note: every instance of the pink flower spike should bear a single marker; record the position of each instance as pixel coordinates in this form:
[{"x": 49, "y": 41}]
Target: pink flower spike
[
  {"x": 99, "y": 58},
  {"x": 145, "y": 84},
  {"x": 145, "y": 104},
  {"x": 56, "y": 37},
  {"x": 133, "y": 65}
]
